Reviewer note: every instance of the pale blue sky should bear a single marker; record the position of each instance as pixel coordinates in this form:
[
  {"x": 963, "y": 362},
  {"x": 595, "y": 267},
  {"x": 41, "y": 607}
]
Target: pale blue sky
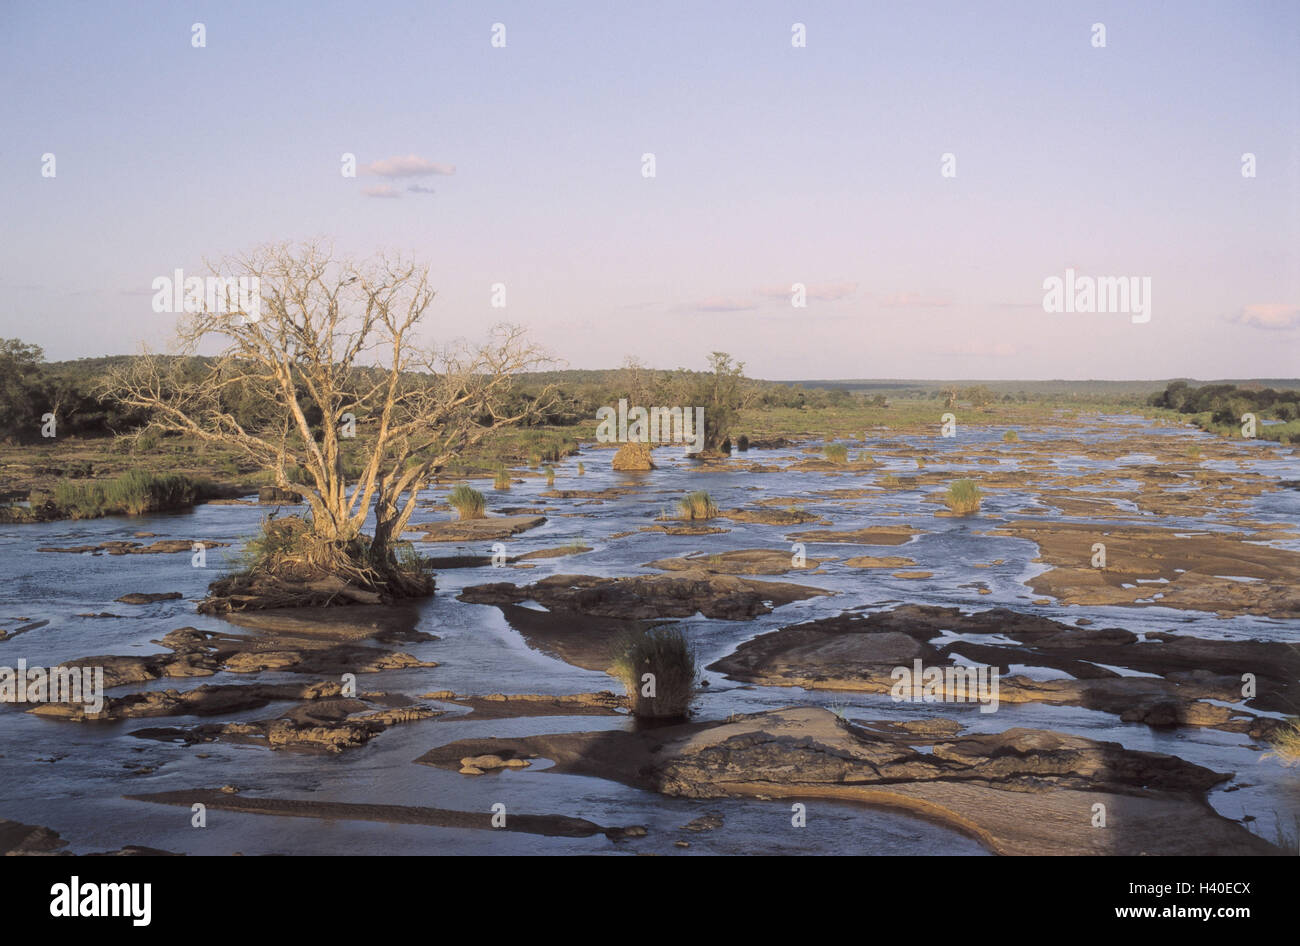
[{"x": 774, "y": 165}]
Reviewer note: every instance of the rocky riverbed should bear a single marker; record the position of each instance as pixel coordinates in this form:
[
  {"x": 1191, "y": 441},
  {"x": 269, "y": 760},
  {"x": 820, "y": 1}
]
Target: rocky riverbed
[{"x": 1148, "y": 686}]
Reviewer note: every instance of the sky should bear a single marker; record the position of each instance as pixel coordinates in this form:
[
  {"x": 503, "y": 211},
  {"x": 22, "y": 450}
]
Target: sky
[{"x": 774, "y": 164}]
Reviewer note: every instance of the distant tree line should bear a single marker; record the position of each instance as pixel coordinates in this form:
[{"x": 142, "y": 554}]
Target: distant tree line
[
  {"x": 1225, "y": 403},
  {"x": 80, "y": 393}
]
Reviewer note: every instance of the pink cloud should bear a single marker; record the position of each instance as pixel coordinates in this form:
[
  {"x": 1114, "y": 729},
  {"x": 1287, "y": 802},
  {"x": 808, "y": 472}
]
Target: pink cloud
[
  {"x": 819, "y": 292},
  {"x": 723, "y": 304},
  {"x": 914, "y": 299},
  {"x": 383, "y": 190},
  {"x": 409, "y": 166},
  {"x": 1269, "y": 315}
]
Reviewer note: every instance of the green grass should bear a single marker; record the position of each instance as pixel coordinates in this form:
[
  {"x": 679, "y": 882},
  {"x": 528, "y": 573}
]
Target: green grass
[
  {"x": 1286, "y": 743},
  {"x": 696, "y": 505},
  {"x": 582, "y": 469},
  {"x": 963, "y": 497},
  {"x": 279, "y": 540},
  {"x": 468, "y": 502},
  {"x": 1011, "y": 437},
  {"x": 1288, "y": 433},
  {"x": 501, "y": 480},
  {"x": 836, "y": 452},
  {"x": 664, "y": 655},
  {"x": 133, "y": 494},
  {"x": 550, "y": 476}
]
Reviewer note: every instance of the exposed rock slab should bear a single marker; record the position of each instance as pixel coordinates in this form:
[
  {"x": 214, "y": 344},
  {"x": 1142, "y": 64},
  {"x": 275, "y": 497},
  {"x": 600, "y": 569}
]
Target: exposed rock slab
[
  {"x": 487, "y": 529},
  {"x": 646, "y": 597},
  {"x": 1028, "y": 792},
  {"x": 1193, "y": 676},
  {"x": 1223, "y": 573},
  {"x": 561, "y": 826},
  {"x": 872, "y": 535},
  {"x": 738, "y": 562}
]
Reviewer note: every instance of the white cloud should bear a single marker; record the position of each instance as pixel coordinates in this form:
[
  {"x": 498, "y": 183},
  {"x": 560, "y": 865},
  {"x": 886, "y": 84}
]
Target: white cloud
[
  {"x": 1269, "y": 315},
  {"x": 723, "y": 304},
  {"x": 819, "y": 292},
  {"x": 915, "y": 299},
  {"x": 409, "y": 166}
]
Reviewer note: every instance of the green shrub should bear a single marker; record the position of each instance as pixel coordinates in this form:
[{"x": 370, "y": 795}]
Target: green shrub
[
  {"x": 664, "y": 655},
  {"x": 1011, "y": 437},
  {"x": 147, "y": 440},
  {"x": 467, "y": 501},
  {"x": 696, "y": 505},
  {"x": 742, "y": 443},
  {"x": 836, "y": 452},
  {"x": 132, "y": 494},
  {"x": 280, "y": 540},
  {"x": 1286, "y": 742},
  {"x": 963, "y": 497}
]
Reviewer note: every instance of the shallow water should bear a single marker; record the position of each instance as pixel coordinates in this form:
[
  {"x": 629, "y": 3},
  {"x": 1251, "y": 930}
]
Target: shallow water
[{"x": 70, "y": 776}]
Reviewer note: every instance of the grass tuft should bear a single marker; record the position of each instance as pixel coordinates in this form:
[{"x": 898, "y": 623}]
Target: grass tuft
[
  {"x": 696, "y": 505},
  {"x": 1286, "y": 743},
  {"x": 132, "y": 494},
  {"x": 836, "y": 452},
  {"x": 657, "y": 668},
  {"x": 468, "y": 502},
  {"x": 963, "y": 497}
]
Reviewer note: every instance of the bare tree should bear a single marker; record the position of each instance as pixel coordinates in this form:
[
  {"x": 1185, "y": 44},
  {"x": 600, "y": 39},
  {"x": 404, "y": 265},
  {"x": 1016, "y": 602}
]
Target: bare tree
[
  {"x": 335, "y": 348},
  {"x": 637, "y": 381}
]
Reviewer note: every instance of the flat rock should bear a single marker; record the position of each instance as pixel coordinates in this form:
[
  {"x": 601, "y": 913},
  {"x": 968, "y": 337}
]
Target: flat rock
[
  {"x": 1024, "y": 791},
  {"x": 1174, "y": 680},
  {"x": 873, "y": 535},
  {"x": 652, "y": 596},
  {"x": 738, "y": 562},
  {"x": 492, "y": 527},
  {"x": 141, "y": 597}
]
